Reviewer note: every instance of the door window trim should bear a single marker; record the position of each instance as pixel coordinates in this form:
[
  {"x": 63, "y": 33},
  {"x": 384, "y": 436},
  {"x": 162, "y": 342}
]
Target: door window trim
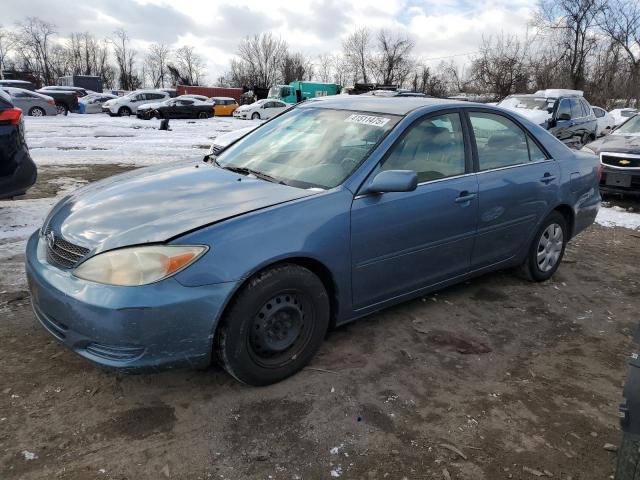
[{"x": 528, "y": 136}]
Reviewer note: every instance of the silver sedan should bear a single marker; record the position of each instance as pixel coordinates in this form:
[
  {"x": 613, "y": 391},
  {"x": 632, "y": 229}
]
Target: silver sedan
[{"x": 32, "y": 103}]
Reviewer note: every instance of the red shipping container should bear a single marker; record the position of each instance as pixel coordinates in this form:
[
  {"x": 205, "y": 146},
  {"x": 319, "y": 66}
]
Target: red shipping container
[{"x": 210, "y": 91}]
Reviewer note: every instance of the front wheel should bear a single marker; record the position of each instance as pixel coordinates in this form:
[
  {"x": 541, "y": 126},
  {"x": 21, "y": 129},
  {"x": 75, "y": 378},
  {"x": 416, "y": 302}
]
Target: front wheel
[
  {"x": 547, "y": 248},
  {"x": 37, "y": 112},
  {"x": 274, "y": 326},
  {"x": 255, "y": 116},
  {"x": 124, "y": 112},
  {"x": 203, "y": 115}
]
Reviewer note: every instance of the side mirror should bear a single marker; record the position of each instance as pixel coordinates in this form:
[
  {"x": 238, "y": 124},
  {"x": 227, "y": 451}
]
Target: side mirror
[
  {"x": 393, "y": 181},
  {"x": 564, "y": 116}
]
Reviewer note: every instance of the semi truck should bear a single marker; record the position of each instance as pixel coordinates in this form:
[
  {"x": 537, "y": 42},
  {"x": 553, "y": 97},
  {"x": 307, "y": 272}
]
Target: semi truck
[{"x": 299, "y": 91}]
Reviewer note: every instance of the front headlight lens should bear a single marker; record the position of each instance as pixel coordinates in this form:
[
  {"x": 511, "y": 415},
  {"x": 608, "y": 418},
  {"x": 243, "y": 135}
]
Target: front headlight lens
[{"x": 135, "y": 266}]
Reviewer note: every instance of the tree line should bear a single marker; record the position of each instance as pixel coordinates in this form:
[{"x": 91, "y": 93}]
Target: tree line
[
  {"x": 590, "y": 45},
  {"x": 34, "y": 46}
]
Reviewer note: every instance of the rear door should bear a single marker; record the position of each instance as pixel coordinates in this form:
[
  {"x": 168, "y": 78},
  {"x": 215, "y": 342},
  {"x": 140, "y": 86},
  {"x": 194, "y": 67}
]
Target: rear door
[{"x": 517, "y": 184}]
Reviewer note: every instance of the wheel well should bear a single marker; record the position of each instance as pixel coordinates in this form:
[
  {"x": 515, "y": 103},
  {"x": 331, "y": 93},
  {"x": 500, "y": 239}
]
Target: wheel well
[
  {"x": 567, "y": 213},
  {"x": 315, "y": 266}
]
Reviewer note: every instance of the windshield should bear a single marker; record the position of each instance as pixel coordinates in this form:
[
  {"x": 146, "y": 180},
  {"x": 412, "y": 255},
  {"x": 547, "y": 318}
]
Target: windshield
[
  {"x": 630, "y": 126},
  {"x": 530, "y": 103},
  {"x": 628, "y": 113},
  {"x": 274, "y": 92},
  {"x": 309, "y": 147}
]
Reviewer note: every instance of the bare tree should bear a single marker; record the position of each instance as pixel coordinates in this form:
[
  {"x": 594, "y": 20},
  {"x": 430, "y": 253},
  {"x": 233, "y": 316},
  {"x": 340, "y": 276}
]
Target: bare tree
[
  {"x": 156, "y": 63},
  {"x": 577, "y": 21},
  {"x": 190, "y": 65},
  {"x": 425, "y": 81},
  {"x": 357, "y": 51},
  {"x": 262, "y": 57},
  {"x": 324, "y": 67},
  {"x": 125, "y": 59},
  {"x": 295, "y": 66},
  {"x": 501, "y": 67},
  {"x": 393, "y": 62},
  {"x": 36, "y": 37},
  {"x": 620, "y": 20},
  {"x": 7, "y": 43}
]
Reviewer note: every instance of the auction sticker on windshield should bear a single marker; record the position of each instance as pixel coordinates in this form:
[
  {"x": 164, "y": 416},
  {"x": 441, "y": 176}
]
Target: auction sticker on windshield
[{"x": 367, "y": 120}]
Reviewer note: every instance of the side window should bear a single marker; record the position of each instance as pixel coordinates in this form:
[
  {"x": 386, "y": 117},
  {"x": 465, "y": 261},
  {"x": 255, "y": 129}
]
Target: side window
[
  {"x": 586, "y": 107},
  {"x": 500, "y": 142},
  {"x": 576, "y": 109},
  {"x": 564, "y": 107},
  {"x": 433, "y": 148},
  {"x": 598, "y": 112},
  {"x": 535, "y": 152},
  {"x": 141, "y": 96}
]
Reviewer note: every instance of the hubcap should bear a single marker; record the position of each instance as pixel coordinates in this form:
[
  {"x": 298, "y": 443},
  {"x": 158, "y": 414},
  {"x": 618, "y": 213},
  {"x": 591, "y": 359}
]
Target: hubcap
[
  {"x": 549, "y": 247},
  {"x": 36, "y": 113}
]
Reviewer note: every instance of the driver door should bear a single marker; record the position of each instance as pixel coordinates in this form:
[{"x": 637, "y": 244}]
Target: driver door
[{"x": 404, "y": 241}]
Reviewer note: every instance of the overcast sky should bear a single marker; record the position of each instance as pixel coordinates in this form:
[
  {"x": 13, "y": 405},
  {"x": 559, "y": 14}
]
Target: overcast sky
[{"x": 440, "y": 28}]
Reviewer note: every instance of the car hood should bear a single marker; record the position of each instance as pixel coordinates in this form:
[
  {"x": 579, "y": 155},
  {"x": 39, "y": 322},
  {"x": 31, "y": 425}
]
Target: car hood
[
  {"x": 155, "y": 204},
  {"x": 538, "y": 117},
  {"x": 617, "y": 143}
]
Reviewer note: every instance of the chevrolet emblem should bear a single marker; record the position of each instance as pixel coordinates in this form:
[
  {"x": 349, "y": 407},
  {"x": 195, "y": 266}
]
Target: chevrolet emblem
[{"x": 624, "y": 162}]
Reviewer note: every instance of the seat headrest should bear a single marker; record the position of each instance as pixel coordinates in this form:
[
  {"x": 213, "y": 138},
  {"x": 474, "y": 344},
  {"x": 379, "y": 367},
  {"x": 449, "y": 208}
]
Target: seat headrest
[{"x": 504, "y": 140}]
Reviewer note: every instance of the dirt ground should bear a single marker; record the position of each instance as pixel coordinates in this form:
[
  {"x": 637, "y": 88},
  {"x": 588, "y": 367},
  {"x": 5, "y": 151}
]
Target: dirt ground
[{"x": 494, "y": 378}]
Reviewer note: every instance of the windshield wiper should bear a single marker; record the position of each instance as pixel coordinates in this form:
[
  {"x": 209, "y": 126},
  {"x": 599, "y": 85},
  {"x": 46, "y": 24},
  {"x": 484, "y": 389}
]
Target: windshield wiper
[{"x": 249, "y": 171}]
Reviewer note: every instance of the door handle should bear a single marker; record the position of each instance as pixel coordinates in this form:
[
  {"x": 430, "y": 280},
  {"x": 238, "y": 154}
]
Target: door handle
[
  {"x": 547, "y": 178},
  {"x": 465, "y": 197}
]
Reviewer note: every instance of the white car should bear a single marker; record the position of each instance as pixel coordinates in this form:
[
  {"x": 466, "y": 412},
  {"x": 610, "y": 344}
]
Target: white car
[
  {"x": 261, "y": 110},
  {"x": 621, "y": 115},
  {"x": 221, "y": 141},
  {"x": 606, "y": 122},
  {"x": 128, "y": 104}
]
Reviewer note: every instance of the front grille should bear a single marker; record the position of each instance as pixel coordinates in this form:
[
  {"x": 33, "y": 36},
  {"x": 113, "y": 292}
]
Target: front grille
[
  {"x": 62, "y": 253},
  {"x": 621, "y": 160}
]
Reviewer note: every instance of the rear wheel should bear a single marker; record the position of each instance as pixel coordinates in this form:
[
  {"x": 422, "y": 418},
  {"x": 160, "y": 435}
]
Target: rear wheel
[
  {"x": 274, "y": 326},
  {"x": 37, "y": 112},
  {"x": 62, "y": 109},
  {"x": 255, "y": 116},
  {"x": 124, "y": 112},
  {"x": 203, "y": 115},
  {"x": 547, "y": 248}
]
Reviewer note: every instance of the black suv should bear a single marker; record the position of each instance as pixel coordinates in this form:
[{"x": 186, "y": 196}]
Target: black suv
[
  {"x": 565, "y": 113},
  {"x": 17, "y": 170}
]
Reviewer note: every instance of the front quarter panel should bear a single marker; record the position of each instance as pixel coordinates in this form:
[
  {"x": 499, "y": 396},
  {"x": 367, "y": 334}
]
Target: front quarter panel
[{"x": 315, "y": 227}]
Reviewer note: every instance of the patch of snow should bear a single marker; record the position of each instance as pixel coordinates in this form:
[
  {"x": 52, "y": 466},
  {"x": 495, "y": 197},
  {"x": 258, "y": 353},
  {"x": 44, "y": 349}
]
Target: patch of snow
[
  {"x": 29, "y": 455},
  {"x": 80, "y": 140},
  {"x": 336, "y": 472},
  {"x": 618, "y": 217}
]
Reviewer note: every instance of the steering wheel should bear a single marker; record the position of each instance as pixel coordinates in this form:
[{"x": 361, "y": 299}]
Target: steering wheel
[{"x": 348, "y": 163}]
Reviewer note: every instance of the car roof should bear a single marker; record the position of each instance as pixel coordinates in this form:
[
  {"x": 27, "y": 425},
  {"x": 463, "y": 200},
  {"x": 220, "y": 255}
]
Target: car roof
[
  {"x": 223, "y": 98},
  {"x": 389, "y": 105},
  {"x": 30, "y": 92}
]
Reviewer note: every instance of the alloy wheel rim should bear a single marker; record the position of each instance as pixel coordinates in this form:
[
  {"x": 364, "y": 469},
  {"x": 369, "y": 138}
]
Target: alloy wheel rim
[
  {"x": 36, "y": 112},
  {"x": 549, "y": 247}
]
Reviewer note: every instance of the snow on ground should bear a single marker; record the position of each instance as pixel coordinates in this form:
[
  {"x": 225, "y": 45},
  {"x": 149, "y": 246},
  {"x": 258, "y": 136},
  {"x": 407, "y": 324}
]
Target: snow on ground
[
  {"x": 618, "y": 217},
  {"x": 89, "y": 139}
]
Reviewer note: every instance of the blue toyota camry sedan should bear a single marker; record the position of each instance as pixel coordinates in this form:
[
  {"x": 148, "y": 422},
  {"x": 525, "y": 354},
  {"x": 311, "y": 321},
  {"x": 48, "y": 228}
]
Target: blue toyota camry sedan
[{"x": 333, "y": 210}]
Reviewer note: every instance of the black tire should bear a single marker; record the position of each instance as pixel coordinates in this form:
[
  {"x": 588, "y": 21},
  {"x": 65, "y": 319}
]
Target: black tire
[
  {"x": 62, "y": 109},
  {"x": 203, "y": 115},
  {"x": 124, "y": 112},
  {"x": 37, "y": 112},
  {"x": 255, "y": 116},
  {"x": 273, "y": 326},
  {"x": 531, "y": 269},
  {"x": 628, "y": 467}
]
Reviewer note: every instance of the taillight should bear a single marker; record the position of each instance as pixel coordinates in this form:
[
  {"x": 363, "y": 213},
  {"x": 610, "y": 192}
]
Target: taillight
[
  {"x": 11, "y": 116},
  {"x": 599, "y": 169},
  {"x": 51, "y": 101}
]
